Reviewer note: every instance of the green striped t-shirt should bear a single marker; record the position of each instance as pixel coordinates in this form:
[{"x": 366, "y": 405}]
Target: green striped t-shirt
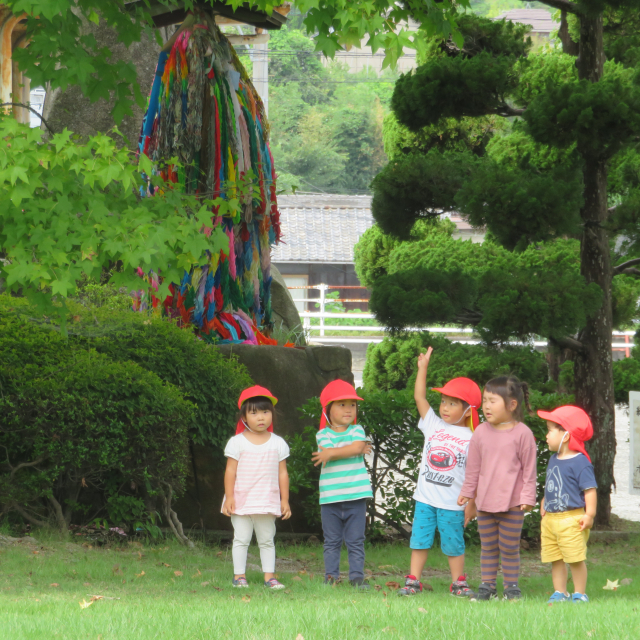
[{"x": 347, "y": 478}]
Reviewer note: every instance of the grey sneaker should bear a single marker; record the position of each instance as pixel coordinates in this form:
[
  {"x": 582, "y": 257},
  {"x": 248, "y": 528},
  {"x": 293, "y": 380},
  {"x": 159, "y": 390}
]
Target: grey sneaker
[
  {"x": 485, "y": 591},
  {"x": 240, "y": 582},
  {"x": 512, "y": 592},
  {"x": 360, "y": 584},
  {"x": 411, "y": 586}
]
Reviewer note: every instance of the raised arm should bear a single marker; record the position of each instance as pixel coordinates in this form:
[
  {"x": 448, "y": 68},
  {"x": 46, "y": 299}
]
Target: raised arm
[{"x": 420, "y": 389}]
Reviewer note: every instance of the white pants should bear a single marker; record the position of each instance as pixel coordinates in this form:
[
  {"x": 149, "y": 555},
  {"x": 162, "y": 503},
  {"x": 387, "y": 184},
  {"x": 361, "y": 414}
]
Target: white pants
[{"x": 265, "y": 527}]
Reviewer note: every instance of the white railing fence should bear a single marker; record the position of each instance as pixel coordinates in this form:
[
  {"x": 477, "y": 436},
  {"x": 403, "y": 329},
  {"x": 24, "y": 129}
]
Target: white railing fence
[{"x": 623, "y": 340}]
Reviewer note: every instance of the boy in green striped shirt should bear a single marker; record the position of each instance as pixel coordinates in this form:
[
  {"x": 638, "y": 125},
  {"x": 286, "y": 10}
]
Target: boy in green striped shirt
[{"x": 344, "y": 481}]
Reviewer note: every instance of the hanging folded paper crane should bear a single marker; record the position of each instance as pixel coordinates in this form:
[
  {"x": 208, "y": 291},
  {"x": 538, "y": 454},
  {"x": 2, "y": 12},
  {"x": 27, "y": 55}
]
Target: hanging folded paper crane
[{"x": 204, "y": 110}]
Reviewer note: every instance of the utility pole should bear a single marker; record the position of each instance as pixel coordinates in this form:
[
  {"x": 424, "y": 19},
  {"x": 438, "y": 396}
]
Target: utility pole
[{"x": 261, "y": 68}]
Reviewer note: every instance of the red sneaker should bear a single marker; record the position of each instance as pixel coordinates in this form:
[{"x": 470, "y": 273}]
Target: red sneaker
[
  {"x": 460, "y": 588},
  {"x": 411, "y": 586}
]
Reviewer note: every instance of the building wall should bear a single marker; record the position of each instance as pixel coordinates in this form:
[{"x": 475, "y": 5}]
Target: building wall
[{"x": 326, "y": 273}]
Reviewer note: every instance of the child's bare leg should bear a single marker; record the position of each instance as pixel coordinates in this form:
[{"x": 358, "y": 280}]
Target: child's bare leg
[
  {"x": 559, "y": 576},
  {"x": 579, "y": 575},
  {"x": 418, "y": 560},
  {"x": 268, "y": 576},
  {"x": 456, "y": 566}
]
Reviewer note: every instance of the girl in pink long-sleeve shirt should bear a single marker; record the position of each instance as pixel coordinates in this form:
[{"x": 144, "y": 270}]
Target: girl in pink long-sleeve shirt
[{"x": 501, "y": 476}]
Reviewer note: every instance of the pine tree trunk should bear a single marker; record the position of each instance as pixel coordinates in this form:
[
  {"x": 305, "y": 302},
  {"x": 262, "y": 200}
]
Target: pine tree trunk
[{"x": 593, "y": 365}]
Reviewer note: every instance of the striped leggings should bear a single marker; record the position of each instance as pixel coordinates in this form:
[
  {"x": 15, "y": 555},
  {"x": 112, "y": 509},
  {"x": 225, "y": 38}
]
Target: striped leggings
[{"x": 500, "y": 536}]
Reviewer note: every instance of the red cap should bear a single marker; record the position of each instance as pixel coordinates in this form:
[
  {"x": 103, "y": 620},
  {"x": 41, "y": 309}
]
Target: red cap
[
  {"x": 254, "y": 392},
  {"x": 575, "y": 421},
  {"x": 336, "y": 390},
  {"x": 467, "y": 390}
]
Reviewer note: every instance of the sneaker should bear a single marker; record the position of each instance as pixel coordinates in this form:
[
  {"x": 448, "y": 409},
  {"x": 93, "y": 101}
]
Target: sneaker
[
  {"x": 558, "y": 596},
  {"x": 512, "y": 592},
  {"x": 360, "y": 584},
  {"x": 485, "y": 591},
  {"x": 460, "y": 588},
  {"x": 411, "y": 586},
  {"x": 579, "y": 597},
  {"x": 273, "y": 584},
  {"x": 240, "y": 582}
]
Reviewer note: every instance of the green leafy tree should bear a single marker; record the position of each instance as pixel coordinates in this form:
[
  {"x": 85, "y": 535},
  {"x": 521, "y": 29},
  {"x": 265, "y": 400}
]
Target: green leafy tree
[{"x": 542, "y": 191}]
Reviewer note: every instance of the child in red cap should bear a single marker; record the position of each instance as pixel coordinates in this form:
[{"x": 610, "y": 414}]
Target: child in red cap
[
  {"x": 256, "y": 484},
  {"x": 344, "y": 481},
  {"x": 441, "y": 476},
  {"x": 570, "y": 499}
]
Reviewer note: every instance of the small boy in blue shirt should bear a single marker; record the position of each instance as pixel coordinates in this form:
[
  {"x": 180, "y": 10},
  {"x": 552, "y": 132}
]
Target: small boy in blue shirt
[{"x": 570, "y": 499}]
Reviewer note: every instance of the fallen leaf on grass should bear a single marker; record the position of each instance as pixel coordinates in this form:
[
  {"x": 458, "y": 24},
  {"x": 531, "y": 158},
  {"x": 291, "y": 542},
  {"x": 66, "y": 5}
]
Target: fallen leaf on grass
[
  {"x": 303, "y": 572},
  {"x": 377, "y": 587},
  {"x": 422, "y": 610},
  {"x": 139, "y": 575},
  {"x": 626, "y": 582},
  {"x": 297, "y": 578},
  {"x": 299, "y": 637},
  {"x": 204, "y": 584},
  {"x": 392, "y": 585},
  {"x": 217, "y": 588},
  {"x": 427, "y": 587},
  {"x": 163, "y": 564},
  {"x": 385, "y": 566},
  {"x": 116, "y": 569},
  {"x": 391, "y": 629},
  {"x": 84, "y": 604},
  {"x": 611, "y": 586},
  {"x": 86, "y": 584},
  {"x": 177, "y": 574},
  {"x": 195, "y": 575},
  {"x": 54, "y": 584},
  {"x": 246, "y": 598}
]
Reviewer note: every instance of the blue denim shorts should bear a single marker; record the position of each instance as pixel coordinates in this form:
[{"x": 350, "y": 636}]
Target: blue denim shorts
[{"x": 450, "y": 524}]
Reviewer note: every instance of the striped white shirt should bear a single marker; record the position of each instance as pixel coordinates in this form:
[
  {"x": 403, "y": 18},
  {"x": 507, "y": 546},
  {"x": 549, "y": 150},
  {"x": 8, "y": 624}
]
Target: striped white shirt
[
  {"x": 257, "y": 488},
  {"x": 345, "y": 479}
]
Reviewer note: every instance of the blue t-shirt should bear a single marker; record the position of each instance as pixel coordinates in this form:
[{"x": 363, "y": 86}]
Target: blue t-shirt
[{"x": 566, "y": 482}]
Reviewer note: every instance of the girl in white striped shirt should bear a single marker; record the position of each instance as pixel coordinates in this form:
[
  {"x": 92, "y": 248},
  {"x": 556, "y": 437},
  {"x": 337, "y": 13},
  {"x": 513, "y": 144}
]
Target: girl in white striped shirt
[{"x": 256, "y": 484}]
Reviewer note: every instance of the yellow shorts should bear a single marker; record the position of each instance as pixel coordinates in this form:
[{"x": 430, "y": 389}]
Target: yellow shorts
[{"x": 561, "y": 537}]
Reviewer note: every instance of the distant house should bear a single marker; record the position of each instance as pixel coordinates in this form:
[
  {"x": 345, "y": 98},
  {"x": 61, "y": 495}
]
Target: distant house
[
  {"x": 320, "y": 232},
  {"x": 541, "y": 22}
]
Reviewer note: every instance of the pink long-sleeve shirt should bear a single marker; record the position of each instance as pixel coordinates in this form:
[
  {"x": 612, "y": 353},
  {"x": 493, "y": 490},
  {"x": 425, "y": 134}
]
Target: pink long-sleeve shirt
[{"x": 501, "y": 468}]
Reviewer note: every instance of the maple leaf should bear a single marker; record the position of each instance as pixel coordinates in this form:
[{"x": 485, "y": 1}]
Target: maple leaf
[
  {"x": 392, "y": 585},
  {"x": 611, "y": 585},
  {"x": 84, "y": 604}
]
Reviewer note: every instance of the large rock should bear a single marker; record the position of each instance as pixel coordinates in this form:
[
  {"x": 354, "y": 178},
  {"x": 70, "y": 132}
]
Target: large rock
[
  {"x": 293, "y": 376},
  {"x": 70, "y": 109},
  {"x": 285, "y": 313}
]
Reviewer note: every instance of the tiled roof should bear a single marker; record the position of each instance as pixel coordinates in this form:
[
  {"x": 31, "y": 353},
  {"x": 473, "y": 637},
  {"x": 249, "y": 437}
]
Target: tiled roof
[
  {"x": 321, "y": 229},
  {"x": 326, "y": 227},
  {"x": 539, "y": 19}
]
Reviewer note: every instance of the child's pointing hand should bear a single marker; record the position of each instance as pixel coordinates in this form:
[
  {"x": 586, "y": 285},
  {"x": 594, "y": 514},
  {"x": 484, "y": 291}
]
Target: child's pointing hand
[{"x": 423, "y": 358}]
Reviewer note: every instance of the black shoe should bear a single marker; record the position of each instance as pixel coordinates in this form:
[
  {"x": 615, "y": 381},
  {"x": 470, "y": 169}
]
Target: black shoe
[
  {"x": 512, "y": 592},
  {"x": 486, "y": 591},
  {"x": 411, "y": 586},
  {"x": 360, "y": 584}
]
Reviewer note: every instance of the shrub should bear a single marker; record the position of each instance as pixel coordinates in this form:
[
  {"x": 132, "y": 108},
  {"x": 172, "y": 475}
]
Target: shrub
[
  {"x": 80, "y": 430},
  {"x": 391, "y": 364},
  {"x": 206, "y": 378}
]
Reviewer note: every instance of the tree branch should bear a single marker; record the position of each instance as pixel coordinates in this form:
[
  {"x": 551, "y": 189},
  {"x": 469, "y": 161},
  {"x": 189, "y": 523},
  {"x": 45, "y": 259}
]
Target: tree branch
[
  {"x": 28, "y": 516},
  {"x": 392, "y": 523},
  {"x": 564, "y": 5},
  {"x": 57, "y": 509},
  {"x": 631, "y": 272},
  {"x": 14, "y": 470},
  {"x": 568, "y": 343},
  {"x": 506, "y": 110},
  {"x": 24, "y": 106},
  {"x": 621, "y": 268}
]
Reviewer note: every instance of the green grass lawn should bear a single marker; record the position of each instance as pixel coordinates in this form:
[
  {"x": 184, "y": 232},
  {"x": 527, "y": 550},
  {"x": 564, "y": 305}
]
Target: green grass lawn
[{"x": 169, "y": 592}]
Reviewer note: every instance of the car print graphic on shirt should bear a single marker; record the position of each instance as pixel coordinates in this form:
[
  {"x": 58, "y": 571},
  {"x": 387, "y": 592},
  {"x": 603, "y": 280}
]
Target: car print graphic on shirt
[{"x": 441, "y": 458}]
